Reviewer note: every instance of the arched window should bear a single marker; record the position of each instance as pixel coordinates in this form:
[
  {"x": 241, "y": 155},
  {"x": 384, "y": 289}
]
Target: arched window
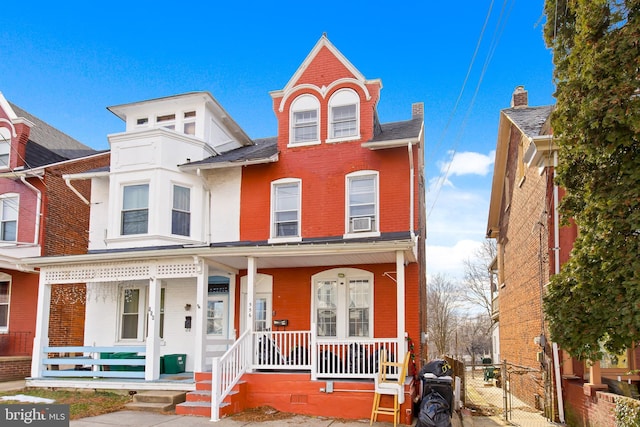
[
  {"x": 344, "y": 115},
  {"x": 305, "y": 119}
]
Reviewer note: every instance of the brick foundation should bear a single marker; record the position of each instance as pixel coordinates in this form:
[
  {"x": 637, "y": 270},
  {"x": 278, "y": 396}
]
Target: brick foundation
[{"x": 15, "y": 367}]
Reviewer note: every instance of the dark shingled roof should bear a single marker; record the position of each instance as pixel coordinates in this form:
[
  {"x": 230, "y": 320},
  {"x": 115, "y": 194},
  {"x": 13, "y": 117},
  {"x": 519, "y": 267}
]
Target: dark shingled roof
[
  {"x": 263, "y": 148},
  {"x": 398, "y": 130},
  {"x": 48, "y": 145},
  {"x": 530, "y": 119}
]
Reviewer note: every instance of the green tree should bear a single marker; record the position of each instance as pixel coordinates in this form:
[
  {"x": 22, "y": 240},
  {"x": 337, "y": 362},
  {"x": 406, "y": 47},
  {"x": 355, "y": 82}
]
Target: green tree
[{"x": 595, "y": 299}]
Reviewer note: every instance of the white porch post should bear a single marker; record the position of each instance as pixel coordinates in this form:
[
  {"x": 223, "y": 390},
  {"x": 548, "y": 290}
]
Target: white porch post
[
  {"x": 252, "y": 270},
  {"x": 402, "y": 348},
  {"x": 41, "y": 338},
  {"x": 152, "y": 368},
  {"x": 199, "y": 361}
]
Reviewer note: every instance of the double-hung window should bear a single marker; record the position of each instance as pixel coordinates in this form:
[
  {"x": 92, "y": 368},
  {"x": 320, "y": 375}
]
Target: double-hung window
[
  {"x": 5, "y": 147},
  {"x": 344, "y": 108},
  {"x": 286, "y": 209},
  {"x": 181, "y": 213},
  {"x": 343, "y": 303},
  {"x": 5, "y": 287},
  {"x": 135, "y": 209},
  {"x": 189, "y": 123},
  {"x": 362, "y": 202},
  {"x": 133, "y": 315},
  {"x": 305, "y": 120},
  {"x": 8, "y": 218}
]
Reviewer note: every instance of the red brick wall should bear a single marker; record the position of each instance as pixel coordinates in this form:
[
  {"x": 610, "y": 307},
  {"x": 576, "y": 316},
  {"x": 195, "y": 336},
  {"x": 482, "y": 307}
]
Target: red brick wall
[
  {"x": 524, "y": 235},
  {"x": 292, "y": 298},
  {"x": 14, "y": 368},
  {"x": 66, "y": 217},
  {"x": 588, "y": 411},
  {"x": 23, "y": 307},
  {"x": 26, "y": 207}
]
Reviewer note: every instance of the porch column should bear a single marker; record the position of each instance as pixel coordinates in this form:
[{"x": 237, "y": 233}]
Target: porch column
[
  {"x": 202, "y": 282},
  {"x": 252, "y": 269},
  {"x": 402, "y": 348},
  {"x": 152, "y": 368},
  {"x": 41, "y": 339}
]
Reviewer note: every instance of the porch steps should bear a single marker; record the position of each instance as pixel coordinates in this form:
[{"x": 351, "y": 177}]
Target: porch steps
[
  {"x": 156, "y": 401},
  {"x": 198, "y": 402}
]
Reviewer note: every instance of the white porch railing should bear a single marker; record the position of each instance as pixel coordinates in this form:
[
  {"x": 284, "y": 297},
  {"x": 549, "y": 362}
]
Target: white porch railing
[
  {"x": 282, "y": 350},
  {"x": 227, "y": 370},
  {"x": 93, "y": 362},
  {"x": 352, "y": 358}
]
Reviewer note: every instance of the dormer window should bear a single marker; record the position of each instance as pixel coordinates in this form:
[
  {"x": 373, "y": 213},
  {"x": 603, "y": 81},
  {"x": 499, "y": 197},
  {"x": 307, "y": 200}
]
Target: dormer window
[
  {"x": 189, "y": 123},
  {"x": 344, "y": 115},
  {"x": 167, "y": 121},
  {"x": 305, "y": 121}
]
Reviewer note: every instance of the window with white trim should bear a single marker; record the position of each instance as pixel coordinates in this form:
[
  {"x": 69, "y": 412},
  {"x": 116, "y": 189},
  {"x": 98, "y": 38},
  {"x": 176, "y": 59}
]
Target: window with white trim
[
  {"x": 133, "y": 314},
  {"x": 181, "y": 212},
  {"x": 8, "y": 218},
  {"x": 343, "y": 303},
  {"x": 305, "y": 112},
  {"x": 5, "y": 298},
  {"x": 344, "y": 115},
  {"x": 135, "y": 209},
  {"x": 362, "y": 202},
  {"x": 167, "y": 121},
  {"x": 285, "y": 209},
  {"x": 189, "y": 123},
  {"x": 5, "y": 146}
]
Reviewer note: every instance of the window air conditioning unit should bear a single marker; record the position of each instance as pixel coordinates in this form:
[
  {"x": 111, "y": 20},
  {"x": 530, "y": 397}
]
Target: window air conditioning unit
[{"x": 361, "y": 224}]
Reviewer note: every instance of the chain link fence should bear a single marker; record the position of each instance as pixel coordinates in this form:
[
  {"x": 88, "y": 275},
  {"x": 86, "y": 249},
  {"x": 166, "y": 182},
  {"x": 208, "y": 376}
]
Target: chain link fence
[{"x": 492, "y": 390}]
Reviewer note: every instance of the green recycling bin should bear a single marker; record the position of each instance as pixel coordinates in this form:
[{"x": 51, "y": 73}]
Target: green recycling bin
[
  {"x": 125, "y": 355},
  {"x": 174, "y": 363}
]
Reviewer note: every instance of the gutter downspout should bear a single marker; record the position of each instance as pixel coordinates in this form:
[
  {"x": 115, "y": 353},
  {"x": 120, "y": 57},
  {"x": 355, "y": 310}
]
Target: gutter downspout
[
  {"x": 77, "y": 193},
  {"x": 36, "y": 237},
  {"x": 556, "y": 246},
  {"x": 207, "y": 208},
  {"x": 411, "y": 188}
]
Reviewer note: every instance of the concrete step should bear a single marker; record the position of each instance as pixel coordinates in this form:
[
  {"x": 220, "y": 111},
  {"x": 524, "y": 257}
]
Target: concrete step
[
  {"x": 156, "y": 400},
  {"x": 150, "y": 407},
  {"x": 199, "y": 396},
  {"x": 160, "y": 396}
]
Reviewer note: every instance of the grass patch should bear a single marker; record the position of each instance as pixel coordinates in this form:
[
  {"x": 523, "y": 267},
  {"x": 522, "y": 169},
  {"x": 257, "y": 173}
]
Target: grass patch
[{"x": 81, "y": 403}]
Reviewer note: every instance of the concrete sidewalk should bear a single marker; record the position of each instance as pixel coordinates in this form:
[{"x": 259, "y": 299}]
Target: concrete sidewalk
[{"x": 148, "y": 419}]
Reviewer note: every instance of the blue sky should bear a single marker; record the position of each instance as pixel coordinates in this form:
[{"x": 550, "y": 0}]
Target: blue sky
[{"x": 65, "y": 62}]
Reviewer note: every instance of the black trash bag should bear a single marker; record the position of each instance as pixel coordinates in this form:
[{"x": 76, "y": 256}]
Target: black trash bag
[
  {"x": 434, "y": 411},
  {"x": 437, "y": 367}
]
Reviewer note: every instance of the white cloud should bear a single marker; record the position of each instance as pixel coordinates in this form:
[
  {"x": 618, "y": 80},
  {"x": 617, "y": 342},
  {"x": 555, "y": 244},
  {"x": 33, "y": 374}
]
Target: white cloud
[
  {"x": 448, "y": 260},
  {"x": 467, "y": 163}
]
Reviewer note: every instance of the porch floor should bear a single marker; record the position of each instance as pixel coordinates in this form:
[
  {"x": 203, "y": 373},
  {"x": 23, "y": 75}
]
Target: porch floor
[{"x": 183, "y": 381}]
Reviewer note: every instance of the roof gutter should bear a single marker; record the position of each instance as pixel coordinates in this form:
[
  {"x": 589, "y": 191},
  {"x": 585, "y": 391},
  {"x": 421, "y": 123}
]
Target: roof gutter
[
  {"x": 222, "y": 165},
  {"x": 287, "y": 250},
  {"x": 393, "y": 143}
]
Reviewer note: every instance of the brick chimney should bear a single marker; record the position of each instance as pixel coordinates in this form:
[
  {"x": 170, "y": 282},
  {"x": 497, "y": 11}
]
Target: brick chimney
[
  {"x": 520, "y": 98},
  {"x": 417, "y": 110}
]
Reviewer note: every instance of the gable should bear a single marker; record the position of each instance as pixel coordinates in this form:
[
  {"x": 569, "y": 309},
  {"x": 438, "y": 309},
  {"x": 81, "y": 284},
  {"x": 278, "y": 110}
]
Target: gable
[{"x": 324, "y": 69}]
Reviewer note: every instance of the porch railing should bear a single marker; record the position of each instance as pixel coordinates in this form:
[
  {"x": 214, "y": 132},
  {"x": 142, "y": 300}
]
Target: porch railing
[
  {"x": 325, "y": 358},
  {"x": 94, "y": 362},
  {"x": 227, "y": 370}
]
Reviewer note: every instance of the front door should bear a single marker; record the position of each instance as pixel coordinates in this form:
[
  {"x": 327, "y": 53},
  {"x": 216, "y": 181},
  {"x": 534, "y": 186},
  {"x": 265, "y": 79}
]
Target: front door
[
  {"x": 218, "y": 316},
  {"x": 263, "y": 308}
]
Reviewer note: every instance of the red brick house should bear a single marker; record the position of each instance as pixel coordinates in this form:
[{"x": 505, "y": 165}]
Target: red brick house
[
  {"x": 40, "y": 216},
  {"x": 279, "y": 266},
  {"x": 532, "y": 246}
]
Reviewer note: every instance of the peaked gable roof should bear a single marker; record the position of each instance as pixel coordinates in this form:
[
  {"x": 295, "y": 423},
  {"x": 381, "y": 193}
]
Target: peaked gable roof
[
  {"x": 49, "y": 145},
  {"x": 529, "y": 120},
  {"x": 323, "y": 44}
]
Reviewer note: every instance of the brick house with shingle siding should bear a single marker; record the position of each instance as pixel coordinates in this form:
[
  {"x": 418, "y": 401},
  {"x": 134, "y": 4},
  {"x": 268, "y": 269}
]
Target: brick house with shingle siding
[{"x": 50, "y": 220}]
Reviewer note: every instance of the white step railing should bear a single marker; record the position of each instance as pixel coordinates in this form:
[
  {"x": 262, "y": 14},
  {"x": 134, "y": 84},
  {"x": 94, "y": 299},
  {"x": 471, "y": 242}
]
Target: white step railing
[{"x": 227, "y": 370}]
